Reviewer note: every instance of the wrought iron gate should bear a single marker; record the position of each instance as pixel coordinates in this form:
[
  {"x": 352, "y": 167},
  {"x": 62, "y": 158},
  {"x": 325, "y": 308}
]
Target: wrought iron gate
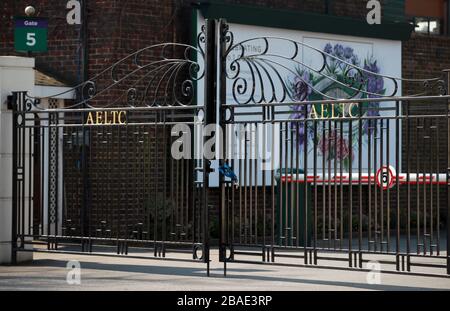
[
  {"x": 322, "y": 169},
  {"x": 331, "y": 168},
  {"x": 97, "y": 176}
]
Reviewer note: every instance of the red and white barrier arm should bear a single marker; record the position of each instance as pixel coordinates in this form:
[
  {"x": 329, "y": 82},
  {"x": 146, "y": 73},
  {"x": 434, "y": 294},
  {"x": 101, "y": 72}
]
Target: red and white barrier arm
[{"x": 385, "y": 178}]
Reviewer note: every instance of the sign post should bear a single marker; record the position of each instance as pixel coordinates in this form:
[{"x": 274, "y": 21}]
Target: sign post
[{"x": 30, "y": 34}]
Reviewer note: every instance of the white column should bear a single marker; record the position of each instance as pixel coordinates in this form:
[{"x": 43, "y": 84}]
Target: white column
[{"x": 16, "y": 74}]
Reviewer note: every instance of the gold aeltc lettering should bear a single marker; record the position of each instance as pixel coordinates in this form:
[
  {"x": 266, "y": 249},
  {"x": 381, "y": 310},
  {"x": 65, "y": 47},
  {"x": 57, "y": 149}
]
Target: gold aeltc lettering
[
  {"x": 122, "y": 114},
  {"x": 327, "y": 111},
  {"x": 99, "y": 117},
  {"x": 89, "y": 120},
  {"x": 106, "y": 118}
]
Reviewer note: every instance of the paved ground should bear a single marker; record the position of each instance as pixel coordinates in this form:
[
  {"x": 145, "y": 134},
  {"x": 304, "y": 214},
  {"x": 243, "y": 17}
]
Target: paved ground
[{"x": 48, "y": 272}]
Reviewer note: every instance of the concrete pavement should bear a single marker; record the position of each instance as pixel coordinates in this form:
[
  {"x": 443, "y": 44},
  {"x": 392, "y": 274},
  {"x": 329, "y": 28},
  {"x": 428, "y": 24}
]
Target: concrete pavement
[{"x": 49, "y": 272}]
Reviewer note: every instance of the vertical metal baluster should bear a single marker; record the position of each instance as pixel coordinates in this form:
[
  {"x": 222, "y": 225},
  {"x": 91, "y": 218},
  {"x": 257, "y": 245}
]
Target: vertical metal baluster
[
  {"x": 177, "y": 197},
  {"x": 376, "y": 139},
  {"x": 280, "y": 189},
  {"x": 438, "y": 186},
  {"x": 187, "y": 204},
  {"x": 245, "y": 185},
  {"x": 166, "y": 154},
  {"x": 424, "y": 176},
  {"x": 155, "y": 195},
  {"x": 417, "y": 188},
  {"x": 240, "y": 181},
  {"x": 256, "y": 184},
  {"x": 335, "y": 184},
  {"x": 141, "y": 204},
  {"x": 369, "y": 187},
  {"x": 272, "y": 180},
  {"x": 106, "y": 188},
  {"x": 66, "y": 133},
  {"x": 408, "y": 181},
  {"x": 30, "y": 176},
  {"x": 185, "y": 199},
  {"x": 382, "y": 131},
  {"x": 293, "y": 234},
  {"x": 106, "y": 183},
  {"x": 250, "y": 180},
  {"x": 360, "y": 212},
  {"x": 330, "y": 139},
  {"x": 90, "y": 197},
  {"x": 350, "y": 212},
  {"x": 315, "y": 186},
  {"x": 388, "y": 190},
  {"x": 341, "y": 186},
  {"x": 324, "y": 218},
  {"x": 448, "y": 172},
  {"x": 173, "y": 202},
  {"x": 431, "y": 129},
  {"x": 109, "y": 177},
  {"x": 126, "y": 186},
  {"x": 305, "y": 174},
  {"x": 397, "y": 179},
  {"x": 263, "y": 168},
  {"x": 287, "y": 230},
  {"x": 181, "y": 198},
  {"x": 305, "y": 190},
  {"x": 121, "y": 189}
]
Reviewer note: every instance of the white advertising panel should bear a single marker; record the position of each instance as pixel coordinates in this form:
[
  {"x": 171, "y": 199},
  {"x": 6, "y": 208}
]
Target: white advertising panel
[{"x": 376, "y": 55}]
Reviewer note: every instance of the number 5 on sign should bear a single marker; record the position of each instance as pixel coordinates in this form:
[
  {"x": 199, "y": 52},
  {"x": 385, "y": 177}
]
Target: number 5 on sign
[
  {"x": 31, "y": 40},
  {"x": 30, "y": 34}
]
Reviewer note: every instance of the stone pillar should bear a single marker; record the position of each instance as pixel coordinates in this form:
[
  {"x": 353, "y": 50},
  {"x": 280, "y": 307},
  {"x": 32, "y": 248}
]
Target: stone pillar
[{"x": 16, "y": 74}]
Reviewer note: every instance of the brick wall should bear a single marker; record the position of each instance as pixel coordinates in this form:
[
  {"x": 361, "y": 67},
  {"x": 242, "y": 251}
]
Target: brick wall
[
  {"x": 115, "y": 28},
  {"x": 425, "y": 56}
]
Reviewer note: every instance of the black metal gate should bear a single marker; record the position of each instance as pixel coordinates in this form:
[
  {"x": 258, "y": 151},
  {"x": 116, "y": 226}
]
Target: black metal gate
[
  {"x": 338, "y": 175},
  {"x": 97, "y": 176},
  {"x": 329, "y": 169}
]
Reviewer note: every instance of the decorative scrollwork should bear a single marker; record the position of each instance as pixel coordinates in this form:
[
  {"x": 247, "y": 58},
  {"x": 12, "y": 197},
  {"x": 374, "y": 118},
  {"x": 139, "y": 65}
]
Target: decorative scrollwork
[
  {"x": 132, "y": 96},
  {"x": 29, "y": 103},
  {"x": 433, "y": 87},
  {"x": 158, "y": 75},
  {"x": 201, "y": 39},
  {"x": 196, "y": 249},
  {"x": 88, "y": 90},
  {"x": 227, "y": 35},
  {"x": 259, "y": 67}
]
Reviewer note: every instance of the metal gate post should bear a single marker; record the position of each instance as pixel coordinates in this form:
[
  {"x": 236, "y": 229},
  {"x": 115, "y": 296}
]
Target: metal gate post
[
  {"x": 14, "y": 206},
  {"x": 223, "y": 224},
  {"x": 210, "y": 118}
]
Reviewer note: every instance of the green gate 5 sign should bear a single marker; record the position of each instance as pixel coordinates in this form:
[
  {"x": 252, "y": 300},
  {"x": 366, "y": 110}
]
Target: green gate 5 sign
[{"x": 30, "y": 34}]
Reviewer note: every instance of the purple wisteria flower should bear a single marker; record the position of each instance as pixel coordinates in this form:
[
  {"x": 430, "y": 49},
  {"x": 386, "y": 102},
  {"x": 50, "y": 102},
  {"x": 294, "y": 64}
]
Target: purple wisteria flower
[
  {"x": 354, "y": 60},
  {"x": 338, "y": 51},
  {"x": 301, "y": 88},
  {"x": 339, "y": 55},
  {"x": 375, "y": 85},
  {"x": 300, "y": 92},
  {"x": 348, "y": 53}
]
